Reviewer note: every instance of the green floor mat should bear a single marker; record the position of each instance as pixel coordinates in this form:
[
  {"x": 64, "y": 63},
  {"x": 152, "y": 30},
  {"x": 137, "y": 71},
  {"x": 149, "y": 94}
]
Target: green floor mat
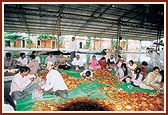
[
  {"x": 129, "y": 88},
  {"x": 84, "y": 89}
]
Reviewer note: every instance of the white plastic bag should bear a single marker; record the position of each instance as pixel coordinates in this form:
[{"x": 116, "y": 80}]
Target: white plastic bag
[{"x": 37, "y": 95}]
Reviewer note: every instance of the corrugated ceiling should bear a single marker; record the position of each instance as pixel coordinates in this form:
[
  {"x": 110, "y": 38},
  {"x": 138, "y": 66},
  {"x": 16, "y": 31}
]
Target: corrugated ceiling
[{"x": 131, "y": 21}]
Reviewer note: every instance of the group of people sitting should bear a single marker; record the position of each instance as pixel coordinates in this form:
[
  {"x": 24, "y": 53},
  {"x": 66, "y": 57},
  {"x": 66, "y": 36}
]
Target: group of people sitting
[
  {"x": 25, "y": 81},
  {"x": 130, "y": 72},
  {"x": 137, "y": 75}
]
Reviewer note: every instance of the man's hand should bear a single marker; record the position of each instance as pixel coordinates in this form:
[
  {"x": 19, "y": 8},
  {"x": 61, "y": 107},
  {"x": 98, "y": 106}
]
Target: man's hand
[
  {"x": 161, "y": 85},
  {"x": 154, "y": 87},
  {"x": 39, "y": 90},
  {"x": 32, "y": 79}
]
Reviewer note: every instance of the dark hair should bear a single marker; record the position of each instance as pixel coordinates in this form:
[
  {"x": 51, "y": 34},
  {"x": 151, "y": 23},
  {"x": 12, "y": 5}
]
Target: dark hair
[
  {"x": 32, "y": 56},
  {"x": 8, "y": 54},
  {"x": 93, "y": 56},
  {"x": 137, "y": 71},
  {"x": 103, "y": 58},
  {"x": 144, "y": 63},
  {"x": 162, "y": 74},
  {"x": 21, "y": 54},
  {"x": 61, "y": 53},
  {"x": 24, "y": 69},
  {"x": 9, "y": 100},
  {"x": 125, "y": 66},
  {"x": 50, "y": 52},
  {"x": 88, "y": 73},
  {"x": 156, "y": 67},
  {"x": 34, "y": 52},
  {"x": 119, "y": 56},
  {"x": 131, "y": 61}
]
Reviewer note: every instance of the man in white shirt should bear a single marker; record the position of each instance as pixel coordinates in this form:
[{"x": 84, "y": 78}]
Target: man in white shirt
[
  {"x": 22, "y": 84},
  {"x": 54, "y": 82},
  {"x": 111, "y": 62},
  {"x": 51, "y": 58},
  {"x": 22, "y": 59},
  {"x": 77, "y": 63},
  {"x": 74, "y": 48}
]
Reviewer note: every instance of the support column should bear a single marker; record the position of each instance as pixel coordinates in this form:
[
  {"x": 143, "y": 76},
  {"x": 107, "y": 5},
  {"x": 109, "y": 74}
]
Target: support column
[
  {"x": 158, "y": 39},
  {"x": 59, "y": 33},
  {"x": 112, "y": 44},
  {"x": 100, "y": 45},
  {"x": 118, "y": 37},
  {"x": 94, "y": 44},
  {"x": 127, "y": 46},
  {"x": 140, "y": 46}
]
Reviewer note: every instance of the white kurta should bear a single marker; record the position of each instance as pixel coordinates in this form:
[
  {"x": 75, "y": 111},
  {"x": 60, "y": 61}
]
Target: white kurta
[{"x": 54, "y": 80}]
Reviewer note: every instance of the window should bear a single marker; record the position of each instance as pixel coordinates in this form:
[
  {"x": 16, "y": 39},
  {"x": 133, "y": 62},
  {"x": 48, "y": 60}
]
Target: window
[
  {"x": 53, "y": 44},
  {"x": 80, "y": 44},
  {"x": 7, "y": 43},
  {"x": 38, "y": 44},
  {"x": 23, "y": 43}
]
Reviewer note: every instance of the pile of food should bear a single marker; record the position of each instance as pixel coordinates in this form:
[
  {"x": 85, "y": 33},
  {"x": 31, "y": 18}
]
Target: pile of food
[
  {"x": 104, "y": 76},
  {"x": 101, "y": 72},
  {"x": 10, "y": 72},
  {"x": 74, "y": 104},
  {"x": 120, "y": 101},
  {"x": 43, "y": 74},
  {"x": 71, "y": 82},
  {"x": 114, "y": 99},
  {"x": 134, "y": 101}
]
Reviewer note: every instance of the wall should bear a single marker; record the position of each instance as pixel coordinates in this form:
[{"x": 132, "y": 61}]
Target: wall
[{"x": 96, "y": 44}]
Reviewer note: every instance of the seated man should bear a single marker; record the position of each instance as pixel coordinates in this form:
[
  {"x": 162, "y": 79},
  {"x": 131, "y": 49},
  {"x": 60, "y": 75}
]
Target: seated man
[
  {"x": 77, "y": 63},
  {"x": 153, "y": 80},
  {"x": 61, "y": 62},
  {"x": 54, "y": 82},
  {"x": 36, "y": 56},
  {"x": 143, "y": 68},
  {"x": 22, "y": 59},
  {"x": 51, "y": 58},
  {"x": 33, "y": 65},
  {"x": 9, "y": 62},
  {"x": 22, "y": 84},
  {"x": 111, "y": 62}
]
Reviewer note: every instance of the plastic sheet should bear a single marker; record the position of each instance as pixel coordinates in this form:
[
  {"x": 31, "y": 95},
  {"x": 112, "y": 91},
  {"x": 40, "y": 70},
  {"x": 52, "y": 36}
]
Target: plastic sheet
[{"x": 84, "y": 89}]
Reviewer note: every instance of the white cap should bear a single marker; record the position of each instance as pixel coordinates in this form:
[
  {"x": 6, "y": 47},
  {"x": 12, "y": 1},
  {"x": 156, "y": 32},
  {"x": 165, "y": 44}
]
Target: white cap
[{"x": 50, "y": 62}]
